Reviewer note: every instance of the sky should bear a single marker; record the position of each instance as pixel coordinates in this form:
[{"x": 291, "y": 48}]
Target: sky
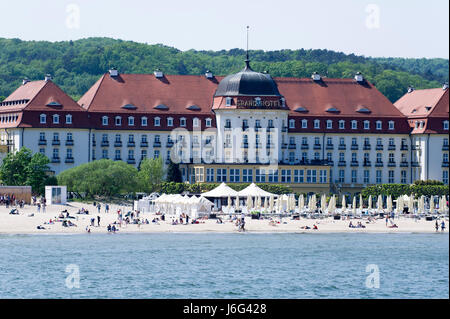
[{"x": 378, "y": 28}]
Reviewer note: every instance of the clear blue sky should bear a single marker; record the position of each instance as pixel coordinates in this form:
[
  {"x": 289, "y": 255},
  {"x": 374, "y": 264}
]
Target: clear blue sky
[{"x": 403, "y": 28}]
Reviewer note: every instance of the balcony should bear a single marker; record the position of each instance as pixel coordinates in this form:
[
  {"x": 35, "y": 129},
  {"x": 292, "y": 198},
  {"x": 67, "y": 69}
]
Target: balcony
[
  {"x": 131, "y": 144},
  {"x": 94, "y": 143},
  {"x": 69, "y": 142},
  {"x": 342, "y": 163},
  {"x": 69, "y": 160},
  {"x": 445, "y": 147},
  {"x": 56, "y": 142},
  {"x": 56, "y": 160},
  {"x": 305, "y": 146},
  {"x": 169, "y": 144},
  {"x": 415, "y": 164},
  {"x": 227, "y": 128},
  {"x": 403, "y": 147},
  {"x": 391, "y": 164},
  {"x": 245, "y": 127},
  {"x": 354, "y": 147},
  {"x": 42, "y": 142},
  {"x": 117, "y": 158},
  {"x": 284, "y": 146},
  {"x": 144, "y": 144},
  {"x": 157, "y": 144},
  {"x": 118, "y": 144},
  {"x": 330, "y": 146},
  {"x": 342, "y": 147},
  {"x": 444, "y": 164},
  {"x": 366, "y": 147},
  {"x": 378, "y": 164},
  {"x": 379, "y": 147},
  {"x": 131, "y": 161},
  {"x": 257, "y": 128},
  {"x": 270, "y": 145},
  {"x": 404, "y": 164},
  {"x": 367, "y": 164},
  {"x": 258, "y": 145},
  {"x": 292, "y": 146},
  {"x": 354, "y": 163},
  {"x": 284, "y": 129},
  {"x": 317, "y": 146},
  {"x": 391, "y": 147},
  {"x": 244, "y": 145},
  {"x": 269, "y": 129},
  {"x": 105, "y": 144}
]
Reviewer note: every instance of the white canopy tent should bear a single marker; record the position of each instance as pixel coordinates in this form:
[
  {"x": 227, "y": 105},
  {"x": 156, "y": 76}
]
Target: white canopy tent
[
  {"x": 223, "y": 190},
  {"x": 254, "y": 191}
]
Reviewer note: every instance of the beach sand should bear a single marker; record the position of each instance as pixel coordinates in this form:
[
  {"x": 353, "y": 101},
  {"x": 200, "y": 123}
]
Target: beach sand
[{"x": 24, "y": 224}]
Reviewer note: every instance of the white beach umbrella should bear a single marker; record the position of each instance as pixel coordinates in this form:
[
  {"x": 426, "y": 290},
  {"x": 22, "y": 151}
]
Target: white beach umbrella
[
  {"x": 249, "y": 203},
  {"x": 323, "y": 203},
  {"x": 301, "y": 202},
  {"x": 421, "y": 205},
  {"x": 361, "y": 203},
  {"x": 379, "y": 203},
  {"x": 354, "y": 205},
  {"x": 400, "y": 204},
  {"x": 389, "y": 203},
  {"x": 266, "y": 204},
  {"x": 271, "y": 203},
  {"x": 369, "y": 203},
  {"x": 229, "y": 203},
  {"x": 236, "y": 204},
  {"x": 411, "y": 204},
  {"x": 432, "y": 204},
  {"x": 313, "y": 203},
  {"x": 332, "y": 205},
  {"x": 344, "y": 204}
]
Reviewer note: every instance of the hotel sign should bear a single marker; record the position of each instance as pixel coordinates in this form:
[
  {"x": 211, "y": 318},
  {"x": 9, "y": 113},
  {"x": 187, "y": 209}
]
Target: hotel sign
[{"x": 258, "y": 103}]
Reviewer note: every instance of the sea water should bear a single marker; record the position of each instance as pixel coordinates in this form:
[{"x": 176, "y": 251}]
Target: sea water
[{"x": 232, "y": 265}]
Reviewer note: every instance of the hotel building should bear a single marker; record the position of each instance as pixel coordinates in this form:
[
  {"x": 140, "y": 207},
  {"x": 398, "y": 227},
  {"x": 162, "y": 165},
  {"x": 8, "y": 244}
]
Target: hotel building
[{"x": 315, "y": 134}]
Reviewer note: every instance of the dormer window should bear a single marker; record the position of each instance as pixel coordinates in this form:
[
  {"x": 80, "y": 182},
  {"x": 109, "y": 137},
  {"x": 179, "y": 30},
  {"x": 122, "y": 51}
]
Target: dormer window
[
  {"x": 195, "y": 122},
  {"x": 170, "y": 121},
  {"x": 354, "y": 125},
  {"x": 316, "y": 124},
  {"x": 445, "y": 125},
  {"x": 43, "y": 119},
  {"x": 379, "y": 125},
  {"x": 183, "y": 122},
  {"x": 68, "y": 119},
  {"x": 130, "y": 121},
  {"x": 304, "y": 123},
  {"x": 292, "y": 123},
  {"x": 157, "y": 121},
  {"x": 228, "y": 101},
  {"x": 258, "y": 101},
  {"x": 366, "y": 125},
  {"x": 341, "y": 124},
  {"x": 391, "y": 125},
  {"x": 104, "y": 120},
  {"x": 144, "y": 121},
  {"x": 118, "y": 121},
  {"x": 55, "y": 119},
  {"x": 208, "y": 122}
]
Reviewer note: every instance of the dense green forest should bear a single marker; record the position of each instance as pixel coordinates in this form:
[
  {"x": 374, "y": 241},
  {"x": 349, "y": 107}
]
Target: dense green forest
[{"x": 76, "y": 65}]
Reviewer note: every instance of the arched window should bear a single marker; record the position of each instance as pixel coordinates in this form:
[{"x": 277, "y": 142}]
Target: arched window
[
  {"x": 304, "y": 123},
  {"x": 366, "y": 125},
  {"x": 157, "y": 121},
  {"x": 68, "y": 119},
  {"x": 195, "y": 122},
  {"x": 208, "y": 122},
  {"x": 55, "y": 119},
  {"x": 329, "y": 124},
  {"x": 118, "y": 120},
  {"x": 144, "y": 121},
  {"x": 354, "y": 125},
  {"x": 130, "y": 121},
  {"x": 104, "y": 120},
  {"x": 228, "y": 101},
  {"x": 183, "y": 121},
  {"x": 341, "y": 124},
  {"x": 170, "y": 121},
  {"x": 379, "y": 125}
]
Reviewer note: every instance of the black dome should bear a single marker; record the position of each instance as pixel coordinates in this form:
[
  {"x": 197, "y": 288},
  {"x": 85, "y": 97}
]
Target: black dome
[{"x": 247, "y": 83}]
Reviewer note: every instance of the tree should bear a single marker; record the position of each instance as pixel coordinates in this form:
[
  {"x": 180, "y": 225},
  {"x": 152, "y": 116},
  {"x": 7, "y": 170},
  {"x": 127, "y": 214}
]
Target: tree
[
  {"x": 151, "y": 174},
  {"x": 22, "y": 168},
  {"x": 103, "y": 178},
  {"x": 173, "y": 173}
]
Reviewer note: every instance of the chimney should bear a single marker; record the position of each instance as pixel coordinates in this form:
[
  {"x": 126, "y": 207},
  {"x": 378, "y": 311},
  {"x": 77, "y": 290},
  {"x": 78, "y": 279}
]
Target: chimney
[
  {"x": 158, "y": 73},
  {"x": 48, "y": 77},
  {"x": 113, "y": 72},
  {"x": 359, "y": 77},
  {"x": 410, "y": 89},
  {"x": 25, "y": 81},
  {"x": 316, "y": 76},
  {"x": 209, "y": 74},
  {"x": 445, "y": 86}
]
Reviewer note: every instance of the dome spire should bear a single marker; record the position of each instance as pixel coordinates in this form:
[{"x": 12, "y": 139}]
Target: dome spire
[{"x": 247, "y": 60}]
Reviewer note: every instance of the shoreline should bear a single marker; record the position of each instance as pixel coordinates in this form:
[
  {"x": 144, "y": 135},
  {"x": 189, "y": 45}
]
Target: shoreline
[{"x": 26, "y": 222}]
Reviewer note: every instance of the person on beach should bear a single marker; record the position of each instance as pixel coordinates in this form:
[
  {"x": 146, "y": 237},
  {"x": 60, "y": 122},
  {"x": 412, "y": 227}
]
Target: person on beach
[
  {"x": 387, "y": 219},
  {"x": 443, "y": 226},
  {"x": 98, "y": 207},
  {"x": 436, "y": 226},
  {"x": 98, "y": 221},
  {"x": 39, "y": 207},
  {"x": 107, "y": 208}
]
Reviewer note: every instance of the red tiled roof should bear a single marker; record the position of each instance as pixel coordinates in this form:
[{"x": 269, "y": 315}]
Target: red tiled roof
[
  {"x": 415, "y": 103},
  {"x": 430, "y": 106}
]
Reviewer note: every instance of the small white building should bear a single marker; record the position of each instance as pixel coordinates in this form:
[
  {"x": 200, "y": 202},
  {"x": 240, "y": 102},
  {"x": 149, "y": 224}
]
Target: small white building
[{"x": 56, "y": 195}]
